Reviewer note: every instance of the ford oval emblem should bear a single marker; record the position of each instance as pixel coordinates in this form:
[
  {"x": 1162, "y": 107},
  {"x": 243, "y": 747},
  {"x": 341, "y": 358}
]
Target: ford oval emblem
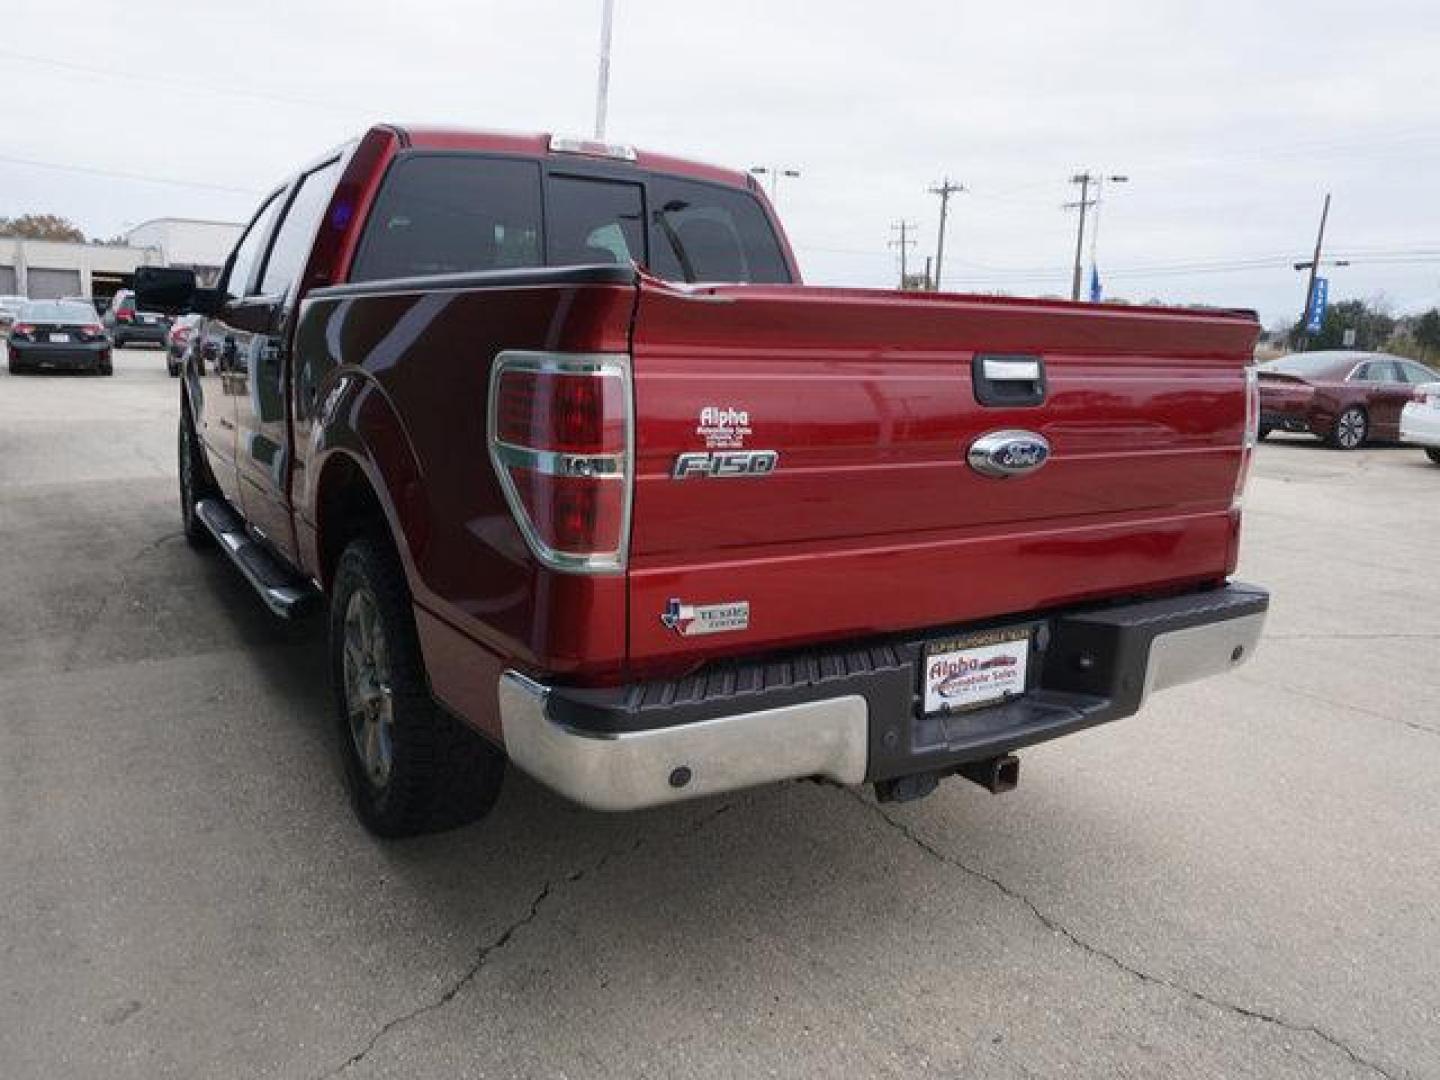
[{"x": 1008, "y": 453}]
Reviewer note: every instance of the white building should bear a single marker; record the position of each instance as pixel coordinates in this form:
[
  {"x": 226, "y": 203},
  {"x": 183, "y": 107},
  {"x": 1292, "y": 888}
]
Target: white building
[
  {"x": 203, "y": 246},
  {"x": 47, "y": 269}
]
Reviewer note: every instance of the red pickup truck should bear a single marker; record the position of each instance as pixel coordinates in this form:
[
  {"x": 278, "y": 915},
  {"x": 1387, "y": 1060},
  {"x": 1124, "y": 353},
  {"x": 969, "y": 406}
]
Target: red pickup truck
[{"x": 588, "y": 481}]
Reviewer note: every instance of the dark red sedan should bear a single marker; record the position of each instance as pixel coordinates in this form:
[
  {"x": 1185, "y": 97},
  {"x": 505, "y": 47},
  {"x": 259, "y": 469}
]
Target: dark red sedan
[{"x": 1343, "y": 397}]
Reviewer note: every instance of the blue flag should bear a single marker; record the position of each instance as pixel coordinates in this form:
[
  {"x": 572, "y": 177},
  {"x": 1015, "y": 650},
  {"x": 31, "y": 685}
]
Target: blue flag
[
  {"x": 1094, "y": 284},
  {"x": 1318, "y": 300}
]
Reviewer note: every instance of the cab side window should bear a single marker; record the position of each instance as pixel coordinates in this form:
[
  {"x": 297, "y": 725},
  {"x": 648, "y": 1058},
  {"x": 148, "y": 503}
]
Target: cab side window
[
  {"x": 247, "y": 254},
  {"x": 450, "y": 213}
]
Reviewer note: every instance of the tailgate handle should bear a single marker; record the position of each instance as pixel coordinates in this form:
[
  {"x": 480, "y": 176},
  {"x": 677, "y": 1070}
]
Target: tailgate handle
[{"x": 1007, "y": 381}]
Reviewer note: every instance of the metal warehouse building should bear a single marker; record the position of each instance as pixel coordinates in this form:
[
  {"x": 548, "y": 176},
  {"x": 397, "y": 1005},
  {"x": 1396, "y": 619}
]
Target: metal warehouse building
[{"x": 46, "y": 269}]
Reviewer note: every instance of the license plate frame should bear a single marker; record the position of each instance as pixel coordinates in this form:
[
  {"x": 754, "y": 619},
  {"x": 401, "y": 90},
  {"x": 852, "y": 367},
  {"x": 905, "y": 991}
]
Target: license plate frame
[{"x": 975, "y": 671}]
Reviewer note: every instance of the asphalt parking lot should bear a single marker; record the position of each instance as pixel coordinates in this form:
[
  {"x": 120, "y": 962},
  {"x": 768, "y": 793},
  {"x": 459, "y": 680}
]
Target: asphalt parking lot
[{"x": 1244, "y": 880}]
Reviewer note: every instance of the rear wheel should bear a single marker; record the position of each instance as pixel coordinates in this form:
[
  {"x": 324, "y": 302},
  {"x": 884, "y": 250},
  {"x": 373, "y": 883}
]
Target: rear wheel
[
  {"x": 172, "y": 366},
  {"x": 1350, "y": 429},
  {"x": 1433, "y": 453},
  {"x": 195, "y": 483},
  {"x": 411, "y": 767},
  {"x": 107, "y": 367}
]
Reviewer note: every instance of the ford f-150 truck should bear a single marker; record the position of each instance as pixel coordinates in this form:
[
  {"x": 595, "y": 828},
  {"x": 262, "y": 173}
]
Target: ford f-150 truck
[{"x": 587, "y": 481}]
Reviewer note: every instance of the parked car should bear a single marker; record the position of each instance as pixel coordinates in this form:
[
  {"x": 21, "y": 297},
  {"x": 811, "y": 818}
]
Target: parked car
[
  {"x": 1420, "y": 420},
  {"x": 654, "y": 538},
  {"x": 177, "y": 341},
  {"x": 58, "y": 334},
  {"x": 10, "y": 308},
  {"x": 126, "y": 323},
  {"x": 1345, "y": 398}
]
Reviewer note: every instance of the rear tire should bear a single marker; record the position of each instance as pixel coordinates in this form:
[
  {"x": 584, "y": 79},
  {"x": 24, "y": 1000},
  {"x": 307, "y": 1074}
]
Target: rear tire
[
  {"x": 1350, "y": 429},
  {"x": 410, "y": 766},
  {"x": 173, "y": 368},
  {"x": 195, "y": 483},
  {"x": 107, "y": 367},
  {"x": 1263, "y": 433},
  {"x": 1433, "y": 453}
]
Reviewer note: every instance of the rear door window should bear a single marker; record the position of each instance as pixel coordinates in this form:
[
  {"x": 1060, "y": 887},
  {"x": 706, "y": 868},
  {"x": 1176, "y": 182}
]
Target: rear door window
[
  {"x": 297, "y": 231},
  {"x": 595, "y": 221},
  {"x": 247, "y": 253},
  {"x": 706, "y": 232},
  {"x": 451, "y": 214}
]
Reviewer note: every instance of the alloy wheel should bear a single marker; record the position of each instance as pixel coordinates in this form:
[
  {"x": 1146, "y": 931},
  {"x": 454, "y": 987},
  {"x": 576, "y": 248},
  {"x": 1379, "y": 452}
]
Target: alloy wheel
[
  {"x": 369, "y": 701},
  {"x": 1350, "y": 429}
]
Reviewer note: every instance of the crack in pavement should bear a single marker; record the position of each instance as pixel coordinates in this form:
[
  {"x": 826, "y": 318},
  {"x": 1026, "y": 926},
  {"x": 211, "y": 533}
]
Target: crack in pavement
[
  {"x": 1055, "y": 926},
  {"x": 501, "y": 940},
  {"x": 1344, "y": 706}
]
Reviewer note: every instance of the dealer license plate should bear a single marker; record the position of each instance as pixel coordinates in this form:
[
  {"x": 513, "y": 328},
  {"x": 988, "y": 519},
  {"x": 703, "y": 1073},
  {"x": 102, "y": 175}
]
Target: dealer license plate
[
  {"x": 60, "y": 337},
  {"x": 974, "y": 670}
]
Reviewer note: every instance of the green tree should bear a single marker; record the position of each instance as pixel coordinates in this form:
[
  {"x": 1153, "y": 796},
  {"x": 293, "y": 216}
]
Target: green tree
[
  {"x": 1372, "y": 322},
  {"x": 41, "y": 227},
  {"x": 1427, "y": 331}
]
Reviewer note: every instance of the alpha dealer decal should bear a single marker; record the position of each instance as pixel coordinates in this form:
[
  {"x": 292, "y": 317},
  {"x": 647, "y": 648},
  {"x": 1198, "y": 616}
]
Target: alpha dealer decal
[
  {"x": 692, "y": 620},
  {"x": 723, "y": 427}
]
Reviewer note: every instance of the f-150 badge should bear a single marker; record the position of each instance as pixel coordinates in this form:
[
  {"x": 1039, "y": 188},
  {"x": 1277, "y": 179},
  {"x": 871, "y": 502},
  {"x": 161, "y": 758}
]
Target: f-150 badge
[
  {"x": 692, "y": 620},
  {"x": 725, "y": 463}
]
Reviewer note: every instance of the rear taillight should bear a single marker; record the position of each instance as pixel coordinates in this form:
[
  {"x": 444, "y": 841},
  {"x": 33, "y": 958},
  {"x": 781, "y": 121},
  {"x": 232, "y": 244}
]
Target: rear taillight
[
  {"x": 93, "y": 330},
  {"x": 179, "y": 335},
  {"x": 125, "y": 315},
  {"x": 1251, "y": 437},
  {"x": 561, "y": 430},
  {"x": 22, "y": 329}
]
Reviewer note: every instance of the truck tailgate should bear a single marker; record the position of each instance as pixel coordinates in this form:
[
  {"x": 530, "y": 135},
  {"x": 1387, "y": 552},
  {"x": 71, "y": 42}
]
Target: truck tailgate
[{"x": 872, "y": 520}]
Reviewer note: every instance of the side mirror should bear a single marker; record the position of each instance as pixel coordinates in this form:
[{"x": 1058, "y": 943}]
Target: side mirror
[{"x": 167, "y": 289}]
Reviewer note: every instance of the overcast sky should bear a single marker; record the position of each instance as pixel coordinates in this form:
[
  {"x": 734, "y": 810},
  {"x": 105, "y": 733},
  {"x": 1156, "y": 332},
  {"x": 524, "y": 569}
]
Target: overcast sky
[{"x": 1232, "y": 119}]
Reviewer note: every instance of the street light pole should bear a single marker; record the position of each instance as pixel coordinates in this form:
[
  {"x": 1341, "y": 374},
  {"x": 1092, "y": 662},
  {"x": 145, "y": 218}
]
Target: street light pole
[
  {"x": 1085, "y": 179},
  {"x": 602, "y": 92}
]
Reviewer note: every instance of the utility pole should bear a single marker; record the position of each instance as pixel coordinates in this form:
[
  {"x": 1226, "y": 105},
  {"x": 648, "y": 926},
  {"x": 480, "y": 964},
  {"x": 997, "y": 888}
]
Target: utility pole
[
  {"x": 1084, "y": 180},
  {"x": 1314, "y": 270},
  {"x": 944, "y": 189},
  {"x": 775, "y": 172},
  {"x": 904, "y": 243},
  {"x": 602, "y": 92}
]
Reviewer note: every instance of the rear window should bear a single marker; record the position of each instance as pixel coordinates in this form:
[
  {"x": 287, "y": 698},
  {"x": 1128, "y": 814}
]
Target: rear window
[
  {"x": 705, "y": 232},
  {"x": 462, "y": 213},
  {"x": 58, "y": 311},
  {"x": 1313, "y": 366},
  {"x": 452, "y": 214}
]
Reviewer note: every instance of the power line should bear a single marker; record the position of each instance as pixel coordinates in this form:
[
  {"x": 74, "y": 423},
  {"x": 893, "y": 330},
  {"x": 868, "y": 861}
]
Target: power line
[
  {"x": 195, "y": 87},
  {"x": 117, "y": 174}
]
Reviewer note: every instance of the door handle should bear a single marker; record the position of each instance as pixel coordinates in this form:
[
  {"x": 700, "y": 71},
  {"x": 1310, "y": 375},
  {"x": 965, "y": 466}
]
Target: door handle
[{"x": 1008, "y": 381}]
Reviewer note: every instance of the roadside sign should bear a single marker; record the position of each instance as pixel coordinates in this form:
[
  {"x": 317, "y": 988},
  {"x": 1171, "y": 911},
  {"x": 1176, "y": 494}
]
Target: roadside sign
[
  {"x": 1349, "y": 342},
  {"x": 1317, "y": 305}
]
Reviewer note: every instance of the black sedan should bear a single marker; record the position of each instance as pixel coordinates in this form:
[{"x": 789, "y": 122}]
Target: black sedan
[{"x": 63, "y": 334}]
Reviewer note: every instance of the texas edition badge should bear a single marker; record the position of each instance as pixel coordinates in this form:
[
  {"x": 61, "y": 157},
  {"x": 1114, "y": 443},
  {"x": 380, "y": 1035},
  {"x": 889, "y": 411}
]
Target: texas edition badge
[{"x": 692, "y": 620}]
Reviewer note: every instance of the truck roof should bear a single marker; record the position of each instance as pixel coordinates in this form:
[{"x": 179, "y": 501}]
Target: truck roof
[{"x": 538, "y": 144}]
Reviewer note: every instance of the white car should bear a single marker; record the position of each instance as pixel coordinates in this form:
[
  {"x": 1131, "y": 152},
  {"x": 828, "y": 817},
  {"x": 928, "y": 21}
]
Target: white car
[{"x": 1420, "y": 420}]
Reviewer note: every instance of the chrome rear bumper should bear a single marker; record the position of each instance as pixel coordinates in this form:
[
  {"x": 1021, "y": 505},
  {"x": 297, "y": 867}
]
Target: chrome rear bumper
[{"x": 1093, "y": 666}]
